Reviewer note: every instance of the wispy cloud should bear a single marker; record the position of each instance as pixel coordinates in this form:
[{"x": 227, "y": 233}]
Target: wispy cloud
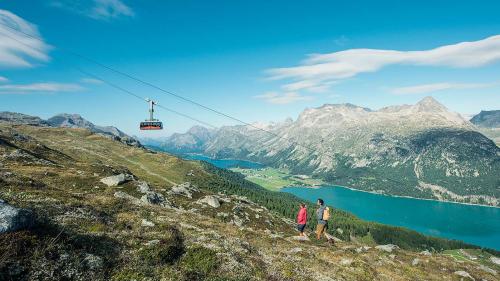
[
  {"x": 3, "y": 79},
  {"x": 48, "y": 87},
  {"x": 96, "y": 9},
  {"x": 434, "y": 87},
  {"x": 91, "y": 81},
  {"x": 324, "y": 68},
  {"x": 283, "y": 98},
  {"x": 17, "y": 49}
]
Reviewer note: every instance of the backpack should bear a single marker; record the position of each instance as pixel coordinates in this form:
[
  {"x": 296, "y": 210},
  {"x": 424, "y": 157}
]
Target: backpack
[{"x": 326, "y": 214}]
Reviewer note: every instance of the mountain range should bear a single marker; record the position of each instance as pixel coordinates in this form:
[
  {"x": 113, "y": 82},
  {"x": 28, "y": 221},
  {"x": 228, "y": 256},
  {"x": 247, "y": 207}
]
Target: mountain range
[
  {"x": 79, "y": 205},
  {"x": 421, "y": 150},
  {"x": 65, "y": 120}
]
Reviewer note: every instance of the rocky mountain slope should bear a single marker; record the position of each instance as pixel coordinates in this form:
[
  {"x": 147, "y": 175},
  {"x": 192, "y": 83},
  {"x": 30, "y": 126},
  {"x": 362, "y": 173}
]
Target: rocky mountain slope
[
  {"x": 68, "y": 121},
  {"x": 488, "y": 119},
  {"x": 488, "y": 123},
  {"x": 191, "y": 141},
  {"x": 79, "y": 206},
  {"x": 420, "y": 150}
]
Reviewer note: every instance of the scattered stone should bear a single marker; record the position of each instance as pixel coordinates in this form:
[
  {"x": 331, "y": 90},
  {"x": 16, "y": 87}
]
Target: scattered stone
[
  {"x": 295, "y": 250},
  {"x": 487, "y": 269},
  {"x": 116, "y": 179},
  {"x": 346, "y": 262},
  {"x": 93, "y": 262},
  {"x": 426, "y": 253},
  {"x": 299, "y": 238},
  {"x": 415, "y": 261},
  {"x": 147, "y": 223},
  {"x": 387, "y": 248},
  {"x": 340, "y": 231},
  {"x": 13, "y": 219},
  {"x": 495, "y": 260},
  {"x": 152, "y": 242},
  {"x": 143, "y": 187},
  {"x": 237, "y": 221},
  {"x": 123, "y": 195},
  {"x": 221, "y": 214},
  {"x": 363, "y": 249},
  {"x": 464, "y": 274},
  {"x": 210, "y": 200},
  {"x": 155, "y": 198},
  {"x": 182, "y": 189},
  {"x": 392, "y": 256}
]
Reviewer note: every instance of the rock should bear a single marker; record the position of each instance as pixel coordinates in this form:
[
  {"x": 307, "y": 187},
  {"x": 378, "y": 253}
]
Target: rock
[
  {"x": 93, "y": 262},
  {"x": 182, "y": 189},
  {"x": 115, "y": 180},
  {"x": 363, "y": 249},
  {"x": 495, "y": 260},
  {"x": 143, "y": 187},
  {"x": 415, "y": 261},
  {"x": 392, "y": 256},
  {"x": 211, "y": 201},
  {"x": 300, "y": 238},
  {"x": 155, "y": 198},
  {"x": 295, "y": 250},
  {"x": 463, "y": 274},
  {"x": 426, "y": 253},
  {"x": 147, "y": 223},
  {"x": 387, "y": 248},
  {"x": 13, "y": 219},
  {"x": 153, "y": 242},
  {"x": 237, "y": 221},
  {"x": 123, "y": 195},
  {"x": 340, "y": 231},
  {"x": 487, "y": 269},
  {"x": 346, "y": 262}
]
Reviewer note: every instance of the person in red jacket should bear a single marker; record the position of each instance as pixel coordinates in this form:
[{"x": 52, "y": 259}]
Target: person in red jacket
[{"x": 302, "y": 219}]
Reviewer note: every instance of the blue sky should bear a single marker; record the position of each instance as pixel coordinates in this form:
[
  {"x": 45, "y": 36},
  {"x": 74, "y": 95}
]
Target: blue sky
[{"x": 255, "y": 60}]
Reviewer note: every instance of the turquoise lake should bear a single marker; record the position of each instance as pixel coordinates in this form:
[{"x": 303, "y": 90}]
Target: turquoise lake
[{"x": 473, "y": 224}]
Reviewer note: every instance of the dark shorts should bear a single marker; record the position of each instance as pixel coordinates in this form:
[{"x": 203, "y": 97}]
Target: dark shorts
[{"x": 300, "y": 227}]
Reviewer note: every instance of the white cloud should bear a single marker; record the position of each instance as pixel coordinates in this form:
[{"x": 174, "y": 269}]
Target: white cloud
[
  {"x": 284, "y": 98},
  {"x": 3, "y": 79},
  {"x": 48, "y": 87},
  {"x": 434, "y": 87},
  {"x": 324, "y": 68},
  {"x": 96, "y": 9},
  {"x": 17, "y": 49},
  {"x": 91, "y": 81}
]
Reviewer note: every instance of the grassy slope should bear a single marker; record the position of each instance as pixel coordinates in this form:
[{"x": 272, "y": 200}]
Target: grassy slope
[{"x": 77, "y": 219}]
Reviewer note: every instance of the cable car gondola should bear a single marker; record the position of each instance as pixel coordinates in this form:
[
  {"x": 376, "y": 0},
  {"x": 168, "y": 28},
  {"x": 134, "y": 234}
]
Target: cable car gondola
[{"x": 151, "y": 123}]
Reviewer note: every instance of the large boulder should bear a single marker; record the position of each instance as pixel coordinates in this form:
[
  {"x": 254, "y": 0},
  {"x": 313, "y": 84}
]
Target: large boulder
[
  {"x": 210, "y": 200},
  {"x": 387, "y": 248},
  {"x": 155, "y": 198},
  {"x": 13, "y": 219},
  {"x": 116, "y": 179},
  {"x": 182, "y": 189}
]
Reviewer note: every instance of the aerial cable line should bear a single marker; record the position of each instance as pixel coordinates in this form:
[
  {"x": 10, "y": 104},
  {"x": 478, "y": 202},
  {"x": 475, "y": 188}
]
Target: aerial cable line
[
  {"x": 122, "y": 89},
  {"x": 142, "y": 98},
  {"x": 313, "y": 150}
]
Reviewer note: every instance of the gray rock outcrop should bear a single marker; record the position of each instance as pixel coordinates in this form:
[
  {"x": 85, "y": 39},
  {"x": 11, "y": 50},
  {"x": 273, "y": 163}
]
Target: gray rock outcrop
[{"x": 13, "y": 219}]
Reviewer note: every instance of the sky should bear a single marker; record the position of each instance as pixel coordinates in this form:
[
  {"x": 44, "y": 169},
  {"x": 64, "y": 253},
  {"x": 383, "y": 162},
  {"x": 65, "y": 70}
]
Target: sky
[{"x": 258, "y": 61}]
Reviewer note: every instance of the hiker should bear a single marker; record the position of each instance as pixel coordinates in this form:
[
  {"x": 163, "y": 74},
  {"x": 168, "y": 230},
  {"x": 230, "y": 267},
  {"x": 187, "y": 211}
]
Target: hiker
[
  {"x": 302, "y": 219},
  {"x": 323, "y": 214}
]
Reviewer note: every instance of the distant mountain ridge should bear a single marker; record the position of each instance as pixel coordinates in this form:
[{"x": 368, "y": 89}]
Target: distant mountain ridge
[
  {"x": 421, "y": 150},
  {"x": 487, "y": 119},
  {"x": 68, "y": 121}
]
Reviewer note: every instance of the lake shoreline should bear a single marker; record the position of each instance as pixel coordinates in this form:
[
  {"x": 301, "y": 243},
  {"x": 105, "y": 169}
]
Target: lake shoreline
[
  {"x": 396, "y": 196},
  {"x": 350, "y": 188}
]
